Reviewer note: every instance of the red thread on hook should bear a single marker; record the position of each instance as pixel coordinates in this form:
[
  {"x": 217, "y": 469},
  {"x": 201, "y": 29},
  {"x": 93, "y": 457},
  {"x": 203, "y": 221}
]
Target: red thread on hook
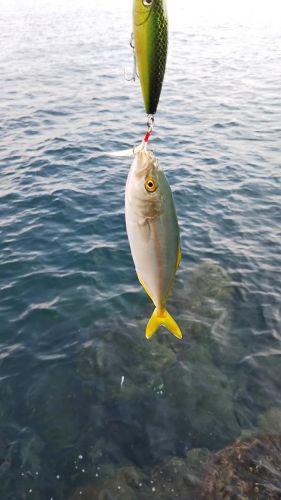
[{"x": 147, "y": 136}]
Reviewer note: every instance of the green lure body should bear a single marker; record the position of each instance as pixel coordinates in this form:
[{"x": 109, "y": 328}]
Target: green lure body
[{"x": 150, "y": 29}]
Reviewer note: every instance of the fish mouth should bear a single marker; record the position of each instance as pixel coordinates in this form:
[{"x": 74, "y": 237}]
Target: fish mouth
[{"x": 147, "y": 167}]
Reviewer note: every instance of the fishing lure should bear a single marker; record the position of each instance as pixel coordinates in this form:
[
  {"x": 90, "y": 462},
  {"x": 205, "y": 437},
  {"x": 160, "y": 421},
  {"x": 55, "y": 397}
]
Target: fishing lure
[{"x": 150, "y": 42}]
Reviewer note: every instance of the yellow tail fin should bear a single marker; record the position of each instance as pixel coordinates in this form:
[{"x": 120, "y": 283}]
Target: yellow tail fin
[{"x": 166, "y": 320}]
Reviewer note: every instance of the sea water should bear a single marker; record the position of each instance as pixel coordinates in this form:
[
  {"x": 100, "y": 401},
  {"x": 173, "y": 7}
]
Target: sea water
[{"x": 83, "y": 396}]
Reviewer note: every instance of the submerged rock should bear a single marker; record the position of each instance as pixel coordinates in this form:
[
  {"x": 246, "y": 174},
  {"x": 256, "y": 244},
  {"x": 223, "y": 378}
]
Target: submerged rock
[
  {"x": 248, "y": 469},
  {"x": 121, "y": 485},
  {"x": 205, "y": 285},
  {"x": 177, "y": 383},
  {"x": 7, "y": 449},
  {"x": 174, "y": 478},
  {"x": 51, "y": 404},
  {"x": 203, "y": 397},
  {"x": 199, "y": 385},
  {"x": 19, "y": 449},
  {"x": 257, "y": 387},
  {"x": 270, "y": 421},
  {"x": 115, "y": 378},
  {"x": 203, "y": 299},
  {"x": 7, "y": 403},
  {"x": 21, "y": 463}
]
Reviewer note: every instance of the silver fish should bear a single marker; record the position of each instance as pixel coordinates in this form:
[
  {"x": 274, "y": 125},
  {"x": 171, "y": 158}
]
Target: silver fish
[{"x": 153, "y": 233}]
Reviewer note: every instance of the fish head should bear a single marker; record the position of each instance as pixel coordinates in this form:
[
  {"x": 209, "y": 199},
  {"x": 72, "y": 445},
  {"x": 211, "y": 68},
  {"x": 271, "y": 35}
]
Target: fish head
[{"x": 145, "y": 187}]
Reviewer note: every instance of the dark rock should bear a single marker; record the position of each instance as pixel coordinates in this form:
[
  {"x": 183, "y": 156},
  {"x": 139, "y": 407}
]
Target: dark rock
[{"x": 249, "y": 469}]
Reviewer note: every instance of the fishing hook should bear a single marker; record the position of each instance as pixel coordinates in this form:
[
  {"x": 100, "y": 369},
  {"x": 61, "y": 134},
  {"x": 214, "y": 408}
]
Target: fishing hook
[
  {"x": 150, "y": 126},
  {"x": 135, "y": 72},
  {"x": 150, "y": 122}
]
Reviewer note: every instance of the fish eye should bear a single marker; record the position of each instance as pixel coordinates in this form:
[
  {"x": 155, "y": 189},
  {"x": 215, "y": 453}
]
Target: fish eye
[
  {"x": 147, "y": 3},
  {"x": 150, "y": 185}
]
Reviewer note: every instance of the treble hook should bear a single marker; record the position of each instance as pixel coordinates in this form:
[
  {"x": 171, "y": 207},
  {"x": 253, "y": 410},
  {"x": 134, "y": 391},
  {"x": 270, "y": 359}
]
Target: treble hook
[{"x": 135, "y": 73}]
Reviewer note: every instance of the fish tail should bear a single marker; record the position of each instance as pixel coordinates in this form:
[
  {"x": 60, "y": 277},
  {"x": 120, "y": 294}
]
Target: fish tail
[{"x": 164, "y": 319}]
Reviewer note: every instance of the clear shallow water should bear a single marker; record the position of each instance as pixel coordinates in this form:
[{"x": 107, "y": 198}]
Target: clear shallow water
[{"x": 72, "y": 313}]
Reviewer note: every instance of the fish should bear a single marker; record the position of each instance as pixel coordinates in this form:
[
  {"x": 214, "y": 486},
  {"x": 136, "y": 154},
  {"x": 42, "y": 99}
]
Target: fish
[
  {"x": 153, "y": 234},
  {"x": 150, "y": 39}
]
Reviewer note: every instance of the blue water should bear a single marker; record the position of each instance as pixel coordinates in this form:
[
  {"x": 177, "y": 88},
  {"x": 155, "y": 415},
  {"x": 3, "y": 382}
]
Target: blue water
[{"x": 82, "y": 393}]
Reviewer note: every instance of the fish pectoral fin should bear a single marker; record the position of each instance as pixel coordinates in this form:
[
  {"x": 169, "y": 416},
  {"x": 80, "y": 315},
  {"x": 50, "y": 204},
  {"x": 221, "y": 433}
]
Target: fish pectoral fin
[
  {"x": 145, "y": 287},
  {"x": 165, "y": 320}
]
